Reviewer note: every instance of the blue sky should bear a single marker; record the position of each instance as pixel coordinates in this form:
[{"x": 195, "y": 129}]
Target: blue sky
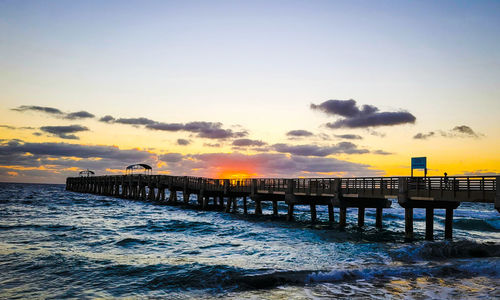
[{"x": 256, "y": 65}]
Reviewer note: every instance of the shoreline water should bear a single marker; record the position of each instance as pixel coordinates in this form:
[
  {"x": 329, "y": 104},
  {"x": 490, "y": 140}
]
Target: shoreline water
[{"x": 61, "y": 244}]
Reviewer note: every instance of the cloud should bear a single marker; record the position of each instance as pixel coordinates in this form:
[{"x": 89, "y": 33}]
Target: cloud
[
  {"x": 462, "y": 131},
  {"x": 424, "y": 136},
  {"x": 274, "y": 165},
  {"x": 212, "y": 145},
  {"x": 134, "y": 121},
  {"x": 210, "y": 130},
  {"x": 107, "y": 119},
  {"x": 299, "y": 133},
  {"x": 79, "y": 115},
  {"x": 183, "y": 142},
  {"x": 171, "y": 157},
  {"x": 248, "y": 143},
  {"x": 313, "y": 150},
  {"x": 366, "y": 116},
  {"x": 53, "y": 162},
  {"x": 44, "y": 109},
  {"x": 382, "y": 152},
  {"x": 55, "y": 112},
  {"x": 64, "y": 132},
  {"x": 16, "y": 128},
  {"x": 166, "y": 126},
  {"x": 18, "y": 149},
  {"x": 349, "y": 136}
]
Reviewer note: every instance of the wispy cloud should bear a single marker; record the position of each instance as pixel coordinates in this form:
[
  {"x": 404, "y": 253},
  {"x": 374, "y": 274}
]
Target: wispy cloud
[
  {"x": 55, "y": 112},
  {"x": 299, "y": 133},
  {"x": 462, "y": 131}
]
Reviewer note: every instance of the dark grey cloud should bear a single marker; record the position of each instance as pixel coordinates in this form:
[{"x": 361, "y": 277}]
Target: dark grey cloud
[
  {"x": 134, "y": 121},
  {"x": 349, "y": 136},
  {"x": 53, "y": 162},
  {"x": 171, "y": 157},
  {"x": 16, "y": 147},
  {"x": 44, "y": 109},
  {"x": 210, "y": 130},
  {"x": 166, "y": 126},
  {"x": 248, "y": 143},
  {"x": 462, "y": 131},
  {"x": 314, "y": 150},
  {"x": 64, "y": 132},
  {"x": 356, "y": 117},
  {"x": 37, "y": 133},
  {"x": 299, "y": 133},
  {"x": 79, "y": 115},
  {"x": 183, "y": 142},
  {"x": 107, "y": 119}
]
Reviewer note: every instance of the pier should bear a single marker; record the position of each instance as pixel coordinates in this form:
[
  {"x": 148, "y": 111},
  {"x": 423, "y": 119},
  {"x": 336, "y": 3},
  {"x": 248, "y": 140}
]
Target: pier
[{"x": 363, "y": 193}]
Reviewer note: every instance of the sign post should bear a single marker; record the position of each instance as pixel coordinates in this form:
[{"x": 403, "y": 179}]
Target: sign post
[{"x": 419, "y": 163}]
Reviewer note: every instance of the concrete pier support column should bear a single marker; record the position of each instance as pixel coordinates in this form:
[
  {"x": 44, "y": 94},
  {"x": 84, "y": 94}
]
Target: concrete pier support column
[
  {"x": 448, "y": 224},
  {"x": 378, "y": 217},
  {"x": 205, "y": 202},
  {"x": 173, "y": 197},
  {"x": 331, "y": 216},
  {"x": 343, "y": 216},
  {"x": 158, "y": 194},
  {"x": 185, "y": 196},
  {"x": 289, "y": 216},
  {"x": 409, "y": 223},
  {"x": 429, "y": 224},
  {"x": 361, "y": 216},
  {"x": 228, "y": 205},
  {"x": 235, "y": 205},
  {"x": 152, "y": 195},
  {"x": 245, "y": 205},
  {"x": 258, "y": 208},
  {"x": 313, "y": 212},
  {"x": 275, "y": 207}
]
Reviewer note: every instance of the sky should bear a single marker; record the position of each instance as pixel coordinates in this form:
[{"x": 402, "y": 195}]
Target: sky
[{"x": 231, "y": 89}]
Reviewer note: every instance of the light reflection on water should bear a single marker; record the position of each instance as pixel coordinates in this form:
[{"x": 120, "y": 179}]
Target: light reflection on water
[{"x": 61, "y": 244}]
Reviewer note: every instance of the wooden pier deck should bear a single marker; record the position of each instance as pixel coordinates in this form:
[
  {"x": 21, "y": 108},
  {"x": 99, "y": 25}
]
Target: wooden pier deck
[{"x": 428, "y": 193}]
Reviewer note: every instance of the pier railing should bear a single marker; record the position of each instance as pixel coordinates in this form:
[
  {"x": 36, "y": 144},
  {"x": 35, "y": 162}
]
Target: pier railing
[{"x": 456, "y": 188}]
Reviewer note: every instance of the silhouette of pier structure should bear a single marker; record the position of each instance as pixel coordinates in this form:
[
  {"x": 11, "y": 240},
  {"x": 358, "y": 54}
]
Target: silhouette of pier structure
[{"x": 427, "y": 193}]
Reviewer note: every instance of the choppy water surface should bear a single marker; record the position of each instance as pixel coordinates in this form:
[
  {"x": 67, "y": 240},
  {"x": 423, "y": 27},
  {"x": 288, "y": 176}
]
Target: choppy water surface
[{"x": 59, "y": 244}]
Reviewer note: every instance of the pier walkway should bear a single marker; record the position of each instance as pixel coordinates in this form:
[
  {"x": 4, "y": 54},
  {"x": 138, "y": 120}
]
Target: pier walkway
[{"x": 428, "y": 193}]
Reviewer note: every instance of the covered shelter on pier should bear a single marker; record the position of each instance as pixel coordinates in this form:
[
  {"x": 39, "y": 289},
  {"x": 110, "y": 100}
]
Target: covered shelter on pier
[{"x": 148, "y": 170}]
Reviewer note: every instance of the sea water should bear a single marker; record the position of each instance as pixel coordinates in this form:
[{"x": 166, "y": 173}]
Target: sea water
[{"x": 60, "y": 244}]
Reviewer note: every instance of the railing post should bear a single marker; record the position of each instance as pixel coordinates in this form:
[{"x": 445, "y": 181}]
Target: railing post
[{"x": 497, "y": 193}]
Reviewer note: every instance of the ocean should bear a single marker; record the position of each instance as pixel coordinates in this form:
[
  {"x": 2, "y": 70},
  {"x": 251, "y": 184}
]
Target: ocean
[{"x": 56, "y": 244}]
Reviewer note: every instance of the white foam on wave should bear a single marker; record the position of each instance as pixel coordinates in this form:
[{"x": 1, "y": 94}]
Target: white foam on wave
[{"x": 462, "y": 268}]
